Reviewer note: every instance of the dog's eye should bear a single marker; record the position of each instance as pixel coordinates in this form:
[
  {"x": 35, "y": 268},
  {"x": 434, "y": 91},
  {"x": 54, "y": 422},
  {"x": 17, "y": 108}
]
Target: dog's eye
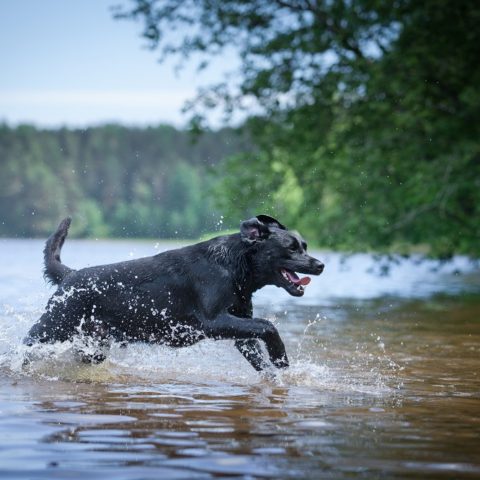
[{"x": 293, "y": 247}]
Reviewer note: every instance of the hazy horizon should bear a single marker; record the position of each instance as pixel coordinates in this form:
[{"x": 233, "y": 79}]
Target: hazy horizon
[{"x": 71, "y": 64}]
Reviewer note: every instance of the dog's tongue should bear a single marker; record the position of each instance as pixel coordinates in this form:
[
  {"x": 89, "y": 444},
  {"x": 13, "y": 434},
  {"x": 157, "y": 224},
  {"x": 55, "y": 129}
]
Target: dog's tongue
[
  {"x": 297, "y": 280},
  {"x": 304, "y": 281}
]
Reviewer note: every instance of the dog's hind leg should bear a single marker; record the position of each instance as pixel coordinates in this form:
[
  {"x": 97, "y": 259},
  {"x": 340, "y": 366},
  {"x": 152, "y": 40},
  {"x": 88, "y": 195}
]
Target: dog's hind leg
[
  {"x": 60, "y": 321},
  {"x": 68, "y": 317},
  {"x": 94, "y": 342},
  {"x": 252, "y": 351}
]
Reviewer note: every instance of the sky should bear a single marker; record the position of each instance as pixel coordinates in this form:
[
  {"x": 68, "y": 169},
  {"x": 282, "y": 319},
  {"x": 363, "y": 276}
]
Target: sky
[{"x": 70, "y": 63}]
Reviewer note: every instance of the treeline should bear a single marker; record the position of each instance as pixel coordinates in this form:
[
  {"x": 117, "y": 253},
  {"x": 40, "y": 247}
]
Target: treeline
[{"x": 115, "y": 181}]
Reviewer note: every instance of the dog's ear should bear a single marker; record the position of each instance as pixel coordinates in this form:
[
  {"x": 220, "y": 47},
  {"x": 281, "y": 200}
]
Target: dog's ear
[
  {"x": 271, "y": 222},
  {"x": 258, "y": 228},
  {"x": 253, "y": 230}
]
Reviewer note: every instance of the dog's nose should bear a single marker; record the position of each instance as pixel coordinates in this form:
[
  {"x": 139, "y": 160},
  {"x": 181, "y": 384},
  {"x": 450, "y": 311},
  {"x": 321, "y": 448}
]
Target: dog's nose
[{"x": 318, "y": 266}]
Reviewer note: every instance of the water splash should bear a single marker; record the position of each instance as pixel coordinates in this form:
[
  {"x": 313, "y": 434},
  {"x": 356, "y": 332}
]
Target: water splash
[{"x": 204, "y": 363}]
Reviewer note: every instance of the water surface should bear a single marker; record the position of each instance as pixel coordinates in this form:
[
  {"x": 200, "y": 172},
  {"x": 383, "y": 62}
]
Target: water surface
[{"x": 384, "y": 382}]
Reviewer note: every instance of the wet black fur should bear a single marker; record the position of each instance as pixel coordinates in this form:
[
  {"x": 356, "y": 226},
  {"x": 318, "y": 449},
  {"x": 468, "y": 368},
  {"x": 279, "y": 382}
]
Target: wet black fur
[{"x": 178, "y": 297}]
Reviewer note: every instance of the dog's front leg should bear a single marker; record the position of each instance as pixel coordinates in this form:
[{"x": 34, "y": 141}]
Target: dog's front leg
[
  {"x": 252, "y": 351},
  {"x": 227, "y": 326}
]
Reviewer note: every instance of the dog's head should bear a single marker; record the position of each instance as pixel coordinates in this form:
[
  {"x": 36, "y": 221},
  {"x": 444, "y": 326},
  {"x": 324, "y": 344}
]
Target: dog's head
[{"x": 279, "y": 254}]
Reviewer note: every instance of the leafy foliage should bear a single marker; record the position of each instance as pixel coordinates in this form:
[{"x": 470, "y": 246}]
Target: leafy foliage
[
  {"x": 114, "y": 180},
  {"x": 370, "y": 124}
]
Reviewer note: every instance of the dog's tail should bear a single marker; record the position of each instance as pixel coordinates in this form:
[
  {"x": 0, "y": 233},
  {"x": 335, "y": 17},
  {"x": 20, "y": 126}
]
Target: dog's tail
[{"x": 55, "y": 271}]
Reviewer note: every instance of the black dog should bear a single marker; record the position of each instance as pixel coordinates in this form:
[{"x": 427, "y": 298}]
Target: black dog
[{"x": 178, "y": 297}]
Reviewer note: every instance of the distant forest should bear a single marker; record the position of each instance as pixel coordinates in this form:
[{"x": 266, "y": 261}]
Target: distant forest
[{"x": 114, "y": 180}]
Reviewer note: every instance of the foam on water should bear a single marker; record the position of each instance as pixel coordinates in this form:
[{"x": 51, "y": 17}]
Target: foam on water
[{"x": 364, "y": 276}]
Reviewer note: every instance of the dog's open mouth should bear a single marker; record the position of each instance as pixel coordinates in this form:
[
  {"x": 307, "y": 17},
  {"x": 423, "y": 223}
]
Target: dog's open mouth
[{"x": 295, "y": 283}]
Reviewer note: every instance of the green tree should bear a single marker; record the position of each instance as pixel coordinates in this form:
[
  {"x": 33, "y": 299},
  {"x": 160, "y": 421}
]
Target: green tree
[
  {"x": 370, "y": 108},
  {"x": 113, "y": 180}
]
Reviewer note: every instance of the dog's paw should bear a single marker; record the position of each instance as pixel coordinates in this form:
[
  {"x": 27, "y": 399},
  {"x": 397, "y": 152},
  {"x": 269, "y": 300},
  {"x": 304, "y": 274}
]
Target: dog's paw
[
  {"x": 268, "y": 375},
  {"x": 92, "y": 358},
  {"x": 281, "y": 362}
]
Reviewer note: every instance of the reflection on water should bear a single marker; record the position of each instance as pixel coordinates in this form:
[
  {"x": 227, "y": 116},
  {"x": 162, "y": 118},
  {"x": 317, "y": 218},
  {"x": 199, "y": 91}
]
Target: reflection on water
[{"x": 384, "y": 383}]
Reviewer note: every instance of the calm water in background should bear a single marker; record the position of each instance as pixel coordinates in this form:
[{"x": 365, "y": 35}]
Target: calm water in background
[{"x": 384, "y": 382}]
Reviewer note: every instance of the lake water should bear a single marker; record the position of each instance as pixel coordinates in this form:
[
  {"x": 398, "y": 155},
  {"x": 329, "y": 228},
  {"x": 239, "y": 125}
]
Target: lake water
[{"x": 384, "y": 382}]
